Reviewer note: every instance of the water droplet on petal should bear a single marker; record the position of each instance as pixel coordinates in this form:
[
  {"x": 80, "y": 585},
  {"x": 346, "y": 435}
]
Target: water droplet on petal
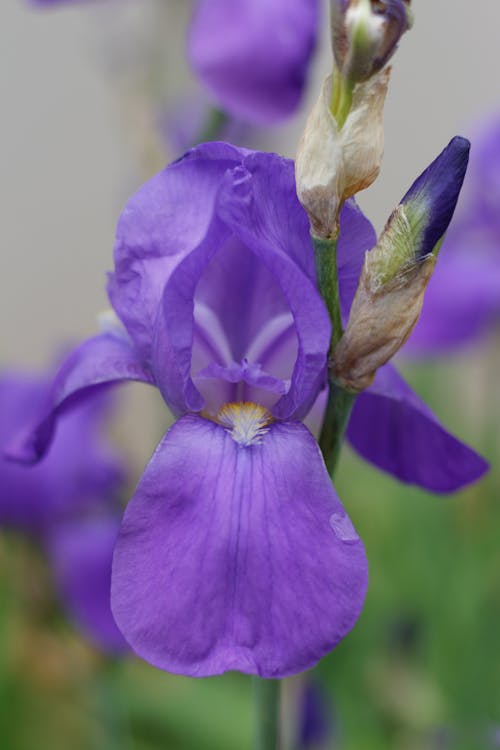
[{"x": 343, "y": 528}]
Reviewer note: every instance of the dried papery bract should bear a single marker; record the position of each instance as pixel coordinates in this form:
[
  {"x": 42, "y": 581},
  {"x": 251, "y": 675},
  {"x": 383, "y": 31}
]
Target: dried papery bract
[
  {"x": 341, "y": 149},
  {"x": 381, "y": 320},
  {"x": 334, "y": 164}
]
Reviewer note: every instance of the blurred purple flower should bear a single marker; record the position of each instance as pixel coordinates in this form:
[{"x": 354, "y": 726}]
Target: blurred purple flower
[
  {"x": 235, "y": 552},
  {"x": 78, "y": 478},
  {"x": 253, "y": 55},
  {"x": 81, "y": 554},
  {"x": 316, "y": 723},
  {"x": 79, "y": 474},
  {"x": 463, "y": 298}
]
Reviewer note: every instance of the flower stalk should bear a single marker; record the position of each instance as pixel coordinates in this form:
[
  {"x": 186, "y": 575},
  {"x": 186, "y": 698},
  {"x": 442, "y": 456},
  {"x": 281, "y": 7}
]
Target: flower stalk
[
  {"x": 340, "y": 401},
  {"x": 267, "y": 701},
  {"x": 325, "y": 258},
  {"x": 337, "y": 413}
]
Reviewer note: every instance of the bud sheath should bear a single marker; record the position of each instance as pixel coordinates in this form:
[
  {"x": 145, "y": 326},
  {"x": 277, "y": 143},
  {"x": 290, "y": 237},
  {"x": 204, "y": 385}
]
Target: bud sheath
[{"x": 391, "y": 289}]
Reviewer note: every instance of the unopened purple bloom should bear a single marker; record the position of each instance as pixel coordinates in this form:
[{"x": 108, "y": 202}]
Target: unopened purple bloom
[
  {"x": 366, "y": 33},
  {"x": 235, "y": 552},
  {"x": 431, "y": 200},
  {"x": 81, "y": 553},
  {"x": 396, "y": 16},
  {"x": 463, "y": 298},
  {"x": 253, "y": 55}
]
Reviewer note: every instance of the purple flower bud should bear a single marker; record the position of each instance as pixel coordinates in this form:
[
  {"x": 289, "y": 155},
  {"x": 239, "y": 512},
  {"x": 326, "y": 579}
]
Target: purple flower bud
[
  {"x": 398, "y": 269},
  {"x": 366, "y": 33},
  {"x": 463, "y": 301},
  {"x": 430, "y": 202}
]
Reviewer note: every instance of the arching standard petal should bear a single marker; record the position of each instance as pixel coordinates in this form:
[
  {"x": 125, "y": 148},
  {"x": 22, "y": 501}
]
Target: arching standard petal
[
  {"x": 103, "y": 360},
  {"x": 262, "y": 195},
  {"x": 251, "y": 210},
  {"x": 236, "y": 557},
  {"x": 165, "y": 220},
  {"x": 392, "y": 428},
  {"x": 253, "y": 54},
  {"x": 264, "y": 223},
  {"x": 243, "y": 294},
  {"x": 251, "y": 196}
]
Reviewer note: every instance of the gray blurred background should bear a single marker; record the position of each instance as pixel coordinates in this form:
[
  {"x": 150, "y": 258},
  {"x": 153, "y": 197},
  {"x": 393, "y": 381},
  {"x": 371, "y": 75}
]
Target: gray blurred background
[{"x": 77, "y": 137}]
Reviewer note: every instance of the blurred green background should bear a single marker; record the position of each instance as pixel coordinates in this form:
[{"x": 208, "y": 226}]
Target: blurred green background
[{"x": 421, "y": 670}]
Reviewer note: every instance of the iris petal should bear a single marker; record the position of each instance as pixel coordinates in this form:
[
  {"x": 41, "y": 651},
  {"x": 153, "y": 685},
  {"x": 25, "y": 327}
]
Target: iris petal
[
  {"x": 80, "y": 473},
  {"x": 236, "y": 558},
  {"x": 392, "y": 428},
  {"x": 163, "y": 222},
  {"x": 103, "y": 360},
  {"x": 257, "y": 202},
  {"x": 239, "y": 288},
  {"x": 260, "y": 212}
]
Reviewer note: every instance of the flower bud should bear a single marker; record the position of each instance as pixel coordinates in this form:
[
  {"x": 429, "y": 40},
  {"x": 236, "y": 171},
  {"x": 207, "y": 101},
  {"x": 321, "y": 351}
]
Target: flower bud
[
  {"x": 365, "y": 34},
  {"x": 396, "y": 271},
  {"x": 333, "y": 164}
]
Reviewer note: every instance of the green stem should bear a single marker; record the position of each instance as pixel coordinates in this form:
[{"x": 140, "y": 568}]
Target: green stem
[
  {"x": 337, "y": 413},
  {"x": 216, "y": 120},
  {"x": 267, "y": 711},
  {"x": 325, "y": 257},
  {"x": 340, "y": 401}
]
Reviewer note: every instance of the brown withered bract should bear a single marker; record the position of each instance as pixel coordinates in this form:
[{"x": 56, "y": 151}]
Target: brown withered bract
[
  {"x": 381, "y": 320},
  {"x": 332, "y": 164}
]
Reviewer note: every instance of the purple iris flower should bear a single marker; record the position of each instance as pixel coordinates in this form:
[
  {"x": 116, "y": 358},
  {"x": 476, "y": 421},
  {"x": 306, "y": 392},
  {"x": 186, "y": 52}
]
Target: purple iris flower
[
  {"x": 253, "y": 55},
  {"x": 235, "y": 552},
  {"x": 463, "y": 297},
  {"x": 77, "y": 478}
]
